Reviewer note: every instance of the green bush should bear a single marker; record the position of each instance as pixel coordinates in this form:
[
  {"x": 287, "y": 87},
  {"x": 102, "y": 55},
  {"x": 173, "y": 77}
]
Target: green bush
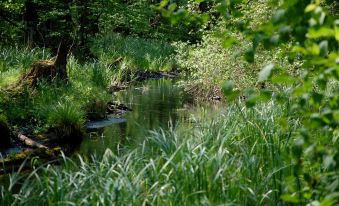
[{"x": 221, "y": 54}]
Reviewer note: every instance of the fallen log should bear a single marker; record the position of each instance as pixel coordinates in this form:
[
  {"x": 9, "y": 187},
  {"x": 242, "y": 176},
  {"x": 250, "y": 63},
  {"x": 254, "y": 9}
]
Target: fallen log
[{"x": 29, "y": 142}]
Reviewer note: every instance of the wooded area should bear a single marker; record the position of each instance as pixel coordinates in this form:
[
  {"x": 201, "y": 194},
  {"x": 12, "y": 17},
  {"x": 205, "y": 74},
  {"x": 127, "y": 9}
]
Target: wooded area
[{"x": 169, "y": 102}]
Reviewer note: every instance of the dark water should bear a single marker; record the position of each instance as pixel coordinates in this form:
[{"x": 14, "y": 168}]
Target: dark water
[{"x": 155, "y": 104}]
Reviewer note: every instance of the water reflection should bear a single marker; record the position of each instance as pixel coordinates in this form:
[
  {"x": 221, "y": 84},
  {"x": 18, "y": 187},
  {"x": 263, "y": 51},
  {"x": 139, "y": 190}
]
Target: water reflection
[{"x": 156, "y": 104}]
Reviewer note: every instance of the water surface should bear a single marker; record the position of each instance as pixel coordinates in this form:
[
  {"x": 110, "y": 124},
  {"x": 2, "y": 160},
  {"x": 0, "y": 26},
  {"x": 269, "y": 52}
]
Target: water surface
[{"x": 156, "y": 104}]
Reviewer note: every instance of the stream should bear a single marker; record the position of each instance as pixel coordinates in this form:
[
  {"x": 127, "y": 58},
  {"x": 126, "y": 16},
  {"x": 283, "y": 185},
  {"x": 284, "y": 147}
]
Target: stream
[{"x": 155, "y": 103}]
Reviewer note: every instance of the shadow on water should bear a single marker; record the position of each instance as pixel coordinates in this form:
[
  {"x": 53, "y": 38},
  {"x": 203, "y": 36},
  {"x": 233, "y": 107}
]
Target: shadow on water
[{"x": 155, "y": 103}]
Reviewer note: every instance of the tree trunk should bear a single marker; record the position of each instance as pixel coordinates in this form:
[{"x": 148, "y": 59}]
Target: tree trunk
[
  {"x": 61, "y": 61},
  {"x": 31, "y": 21}
]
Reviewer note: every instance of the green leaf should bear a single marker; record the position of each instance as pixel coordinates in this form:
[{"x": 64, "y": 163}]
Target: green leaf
[
  {"x": 327, "y": 202},
  {"x": 265, "y": 95},
  {"x": 266, "y": 72},
  {"x": 316, "y": 121},
  {"x": 336, "y": 115},
  {"x": 310, "y": 7},
  {"x": 328, "y": 161},
  {"x": 320, "y": 33},
  {"x": 313, "y": 49},
  {"x": 336, "y": 33},
  {"x": 283, "y": 79},
  {"x": 252, "y": 97},
  {"x": 317, "y": 97}
]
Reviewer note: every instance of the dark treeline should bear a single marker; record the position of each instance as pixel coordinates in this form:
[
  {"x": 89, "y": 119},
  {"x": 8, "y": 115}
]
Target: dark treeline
[{"x": 46, "y": 23}]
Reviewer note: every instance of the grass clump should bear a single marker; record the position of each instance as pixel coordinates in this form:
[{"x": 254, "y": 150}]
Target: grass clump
[
  {"x": 66, "y": 120},
  {"x": 239, "y": 157}
]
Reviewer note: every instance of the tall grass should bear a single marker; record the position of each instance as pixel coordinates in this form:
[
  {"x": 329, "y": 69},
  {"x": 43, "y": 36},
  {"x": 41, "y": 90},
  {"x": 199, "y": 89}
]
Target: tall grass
[
  {"x": 42, "y": 106},
  {"x": 134, "y": 53},
  {"x": 14, "y": 60},
  {"x": 88, "y": 82},
  {"x": 239, "y": 157}
]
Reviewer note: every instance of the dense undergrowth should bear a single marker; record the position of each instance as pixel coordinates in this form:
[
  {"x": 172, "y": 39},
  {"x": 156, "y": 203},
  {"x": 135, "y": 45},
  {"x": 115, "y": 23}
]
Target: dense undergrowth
[
  {"x": 85, "y": 96},
  {"x": 221, "y": 54},
  {"x": 278, "y": 153},
  {"x": 49, "y": 105}
]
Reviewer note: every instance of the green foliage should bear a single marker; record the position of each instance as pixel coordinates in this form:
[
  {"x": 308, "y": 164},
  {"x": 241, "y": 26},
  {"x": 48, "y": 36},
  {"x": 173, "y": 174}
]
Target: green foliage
[
  {"x": 235, "y": 157},
  {"x": 65, "y": 113},
  {"x": 312, "y": 99},
  {"x": 66, "y": 119},
  {"x": 220, "y": 55},
  {"x": 48, "y": 22},
  {"x": 247, "y": 156},
  {"x": 29, "y": 107},
  {"x": 132, "y": 53},
  {"x": 311, "y": 35}
]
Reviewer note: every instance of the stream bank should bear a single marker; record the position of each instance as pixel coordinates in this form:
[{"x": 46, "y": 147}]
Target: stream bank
[{"x": 157, "y": 103}]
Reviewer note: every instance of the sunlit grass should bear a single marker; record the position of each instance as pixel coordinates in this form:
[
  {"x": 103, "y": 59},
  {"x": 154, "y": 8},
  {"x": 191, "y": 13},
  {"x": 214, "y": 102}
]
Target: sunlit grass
[
  {"x": 134, "y": 53},
  {"x": 43, "y": 104},
  {"x": 9, "y": 78},
  {"x": 239, "y": 157}
]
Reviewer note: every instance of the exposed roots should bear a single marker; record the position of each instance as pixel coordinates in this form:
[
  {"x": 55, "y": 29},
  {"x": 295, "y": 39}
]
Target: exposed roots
[{"x": 41, "y": 70}]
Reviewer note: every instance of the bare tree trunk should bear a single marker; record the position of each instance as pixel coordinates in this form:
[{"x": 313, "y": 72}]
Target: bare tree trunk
[
  {"x": 61, "y": 61},
  {"x": 31, "y": 19}
]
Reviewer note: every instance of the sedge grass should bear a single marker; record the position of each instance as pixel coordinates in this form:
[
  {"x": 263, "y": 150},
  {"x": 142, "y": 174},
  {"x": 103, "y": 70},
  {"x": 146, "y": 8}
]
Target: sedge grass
[
  {"x": 134, "y": 53},
  {"x": 239, "y": 157}
]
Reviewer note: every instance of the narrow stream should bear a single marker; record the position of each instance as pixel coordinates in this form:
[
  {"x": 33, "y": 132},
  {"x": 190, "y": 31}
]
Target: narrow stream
[{"x": 155, "y": 103}]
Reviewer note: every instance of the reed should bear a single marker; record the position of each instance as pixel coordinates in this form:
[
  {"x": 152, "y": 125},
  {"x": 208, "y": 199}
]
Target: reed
[{"x": 238, "y": 157}]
